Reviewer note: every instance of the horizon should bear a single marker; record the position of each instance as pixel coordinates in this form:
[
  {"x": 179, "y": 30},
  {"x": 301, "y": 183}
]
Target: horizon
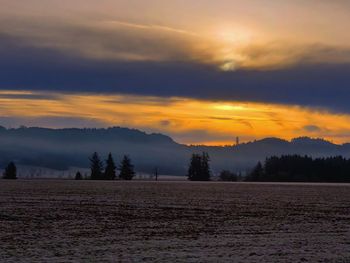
[
  {"x": 175, "y": 130},
  {"x": 227, "y": 69},
  {"x": 164, "y": 134},
  {"x": 188, "y": 121}
]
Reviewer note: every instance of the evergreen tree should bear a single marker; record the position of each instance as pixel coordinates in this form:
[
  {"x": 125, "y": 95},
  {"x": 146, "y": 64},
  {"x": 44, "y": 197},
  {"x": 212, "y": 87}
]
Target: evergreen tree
[
  {"x": 78, "y": 176},
  {"x": 228, "y": 176},
  {"x": 297, "y": 168},
  {"x": 257, "y": 175},
  {"x": 205, "y": 168},
  {"x": 126, "y": 169},
  {"x": 194, "y": 168},
  {"x": 96, "y": 167},
  {"x": 10, "y": 171},
  {"x": 110, "y": 173},
  {"x": 199, "y": 169}
]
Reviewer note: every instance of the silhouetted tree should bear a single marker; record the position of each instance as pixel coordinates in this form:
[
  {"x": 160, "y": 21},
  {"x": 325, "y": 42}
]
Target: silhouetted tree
[
  {"x": 296, "y": 168},
  {"x": 257, "y": 174},
  {"x": 110, "y": 173},
  {"x": 96, "y": 167},
  {"x": 194, "y": 168},
  {"x": 205, "y": 174},
  {"x": 10, "y": 171},
  {"x": 228, "y": 176},
  {"x": 126, "y": 169},
  {"x": 199, "y": 169},
  {"x": 78, "y": 176}
]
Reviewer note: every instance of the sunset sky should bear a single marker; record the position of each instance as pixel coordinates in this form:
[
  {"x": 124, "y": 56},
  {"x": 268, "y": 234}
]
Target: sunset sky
[{"x": 201, "y": 71}]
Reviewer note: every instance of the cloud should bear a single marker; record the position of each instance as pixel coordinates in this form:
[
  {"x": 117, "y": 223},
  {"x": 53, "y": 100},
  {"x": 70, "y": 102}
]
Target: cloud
[
  {"x": 101, "y": 40},
  {"x": 118, "y": 56},
  {"x": 53, "y": 122},
  {"x": 125, "y": 41},
  {"x": 277, "y": 55},
  {"x": 165, "y": 123},
  {"x": 186, "y": 120},
  {"x": 312, "y": 128},
  {"x": 26, "y": 95},
  {"x": 150, "y": 27},
  {"x": 33, "y": 68}
]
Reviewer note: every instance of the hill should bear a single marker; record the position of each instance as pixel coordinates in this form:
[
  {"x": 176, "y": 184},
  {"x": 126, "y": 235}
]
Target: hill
[{"x": 64, "y": 148}]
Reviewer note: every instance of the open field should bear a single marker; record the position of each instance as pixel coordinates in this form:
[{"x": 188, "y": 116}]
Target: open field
[{"x": 85, "y": 221}]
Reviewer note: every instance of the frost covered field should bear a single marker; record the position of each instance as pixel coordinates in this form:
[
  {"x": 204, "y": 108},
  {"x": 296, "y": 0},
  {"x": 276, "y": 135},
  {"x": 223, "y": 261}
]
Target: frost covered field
[{"x": 87, "y": 221}]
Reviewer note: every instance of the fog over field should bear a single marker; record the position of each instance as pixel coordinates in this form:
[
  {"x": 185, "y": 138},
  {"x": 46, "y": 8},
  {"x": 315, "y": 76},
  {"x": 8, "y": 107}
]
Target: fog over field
[
  {"x": 64, "y": 148},
  {"x": 175, "y": 131}
]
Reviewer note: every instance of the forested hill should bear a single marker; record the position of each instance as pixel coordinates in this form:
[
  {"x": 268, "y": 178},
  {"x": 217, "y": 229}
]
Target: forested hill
[{"x": 63, "y": 148}]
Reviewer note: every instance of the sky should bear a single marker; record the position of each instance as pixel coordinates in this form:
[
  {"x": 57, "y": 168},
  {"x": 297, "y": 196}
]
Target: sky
[{"x": 200, "y": 71}]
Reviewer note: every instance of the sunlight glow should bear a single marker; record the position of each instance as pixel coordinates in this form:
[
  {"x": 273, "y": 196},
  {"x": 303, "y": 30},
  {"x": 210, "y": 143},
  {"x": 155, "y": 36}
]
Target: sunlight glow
[
  {"x": 234, "y": 36},
  {"x": 186, "y": 120},
  {"x": 228, "y": 107}
]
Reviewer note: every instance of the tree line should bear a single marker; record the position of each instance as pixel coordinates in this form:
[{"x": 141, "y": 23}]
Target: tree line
[
  {"x": 199, "y": 170},
  {"x": 10, "y": 171},
  {"x": 99, "y": 171},
  {"x": 296, "y": 168},
  {"x": 286, "y": 168}
]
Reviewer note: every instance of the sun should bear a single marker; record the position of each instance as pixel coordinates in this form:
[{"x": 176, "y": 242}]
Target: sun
[
  {"x": 230, "y": 42},
  {"x": 228, "y": 107}
]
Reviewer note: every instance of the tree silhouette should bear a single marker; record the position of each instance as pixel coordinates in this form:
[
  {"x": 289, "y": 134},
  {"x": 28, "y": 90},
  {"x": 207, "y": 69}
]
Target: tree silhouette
[
  {"x": 194, "y": 168},
  {"x": 296, "y": 168},
  {"x": 257, "y": 173},
  {"x": 228, "y": 176},
  {"x": 110, "y": 173},
  {"x": 126, "y": 169},
  {"x": 10, "y": 171},
  {"x": 205, "y": 174},
  {"x": 78, "y": 176},
  {"x": 199, "y": 169},
  {"x": 96, "y": 167}
]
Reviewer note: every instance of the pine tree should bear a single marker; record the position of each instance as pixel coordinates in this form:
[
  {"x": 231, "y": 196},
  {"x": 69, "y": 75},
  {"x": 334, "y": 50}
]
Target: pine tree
[
  {"x": 78, "y": 176},
  {"x": 194, "y": 168},
  {"x": 228, "y": 176},
  {"x": 126, "y": 169},
  {"x": 10, "y": 171},
  {"x": 205, "y": 168},
  {"x": 96, "y": 167},
  {"x": 257, "y": 174},
  {"x": 199, "y": 169},
  {"x": 110, "y": 173}
]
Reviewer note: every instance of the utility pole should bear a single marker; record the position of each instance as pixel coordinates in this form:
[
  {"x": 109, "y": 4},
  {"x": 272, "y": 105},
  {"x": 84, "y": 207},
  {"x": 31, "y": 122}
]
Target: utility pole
[
  {"x": 156, "y": 173},
  {"x": 237, "y": 141}
]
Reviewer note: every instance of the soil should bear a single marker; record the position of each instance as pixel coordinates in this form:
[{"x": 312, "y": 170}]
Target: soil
[{"x": 90, "y": 221}]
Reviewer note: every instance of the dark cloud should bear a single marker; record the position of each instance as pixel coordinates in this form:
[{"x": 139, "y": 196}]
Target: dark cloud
[
  {"x": 9, "y": 95},
  {"x": 312, "y": 128},
  {"x": 52, "y": 122},
  {"x": 29, "y": 68},
  {"x": 165, "y": 123}
]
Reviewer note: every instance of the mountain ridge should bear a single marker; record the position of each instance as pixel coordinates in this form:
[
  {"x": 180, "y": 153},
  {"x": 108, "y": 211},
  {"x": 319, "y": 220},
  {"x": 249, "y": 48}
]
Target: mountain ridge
[{"x": 64, "y": 148}]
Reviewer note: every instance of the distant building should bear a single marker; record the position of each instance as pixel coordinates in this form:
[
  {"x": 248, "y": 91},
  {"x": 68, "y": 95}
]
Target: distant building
[{"x": 237, "y": 140}]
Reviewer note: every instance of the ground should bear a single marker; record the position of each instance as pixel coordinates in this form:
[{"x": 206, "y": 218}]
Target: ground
[{"x": 89, "y": 221}]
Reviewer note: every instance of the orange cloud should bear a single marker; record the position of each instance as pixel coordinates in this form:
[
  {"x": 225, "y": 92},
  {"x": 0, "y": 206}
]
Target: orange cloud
[{"x": 187, "y": 120}]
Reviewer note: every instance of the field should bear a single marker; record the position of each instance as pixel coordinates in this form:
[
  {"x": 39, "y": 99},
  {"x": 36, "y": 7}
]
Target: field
[{"x": 85, "y": 221}]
